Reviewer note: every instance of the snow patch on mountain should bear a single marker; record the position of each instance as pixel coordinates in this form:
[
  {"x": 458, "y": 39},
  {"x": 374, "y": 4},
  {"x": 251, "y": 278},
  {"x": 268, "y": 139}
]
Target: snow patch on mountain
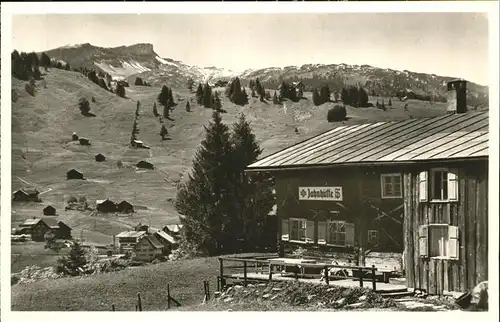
[
  {"x": 126, "y": 69},
  {"x": 165, "y": 62}
]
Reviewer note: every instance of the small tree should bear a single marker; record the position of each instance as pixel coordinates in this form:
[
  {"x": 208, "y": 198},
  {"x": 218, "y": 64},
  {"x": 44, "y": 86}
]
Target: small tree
[
  {"x": 45, "y": 61},
  {"x": 138, "y": 81},
  {"x": 74, "y": 262},
  {"x": 316, "y": 98},
  {"x": 199, "y": 94},
  {"x": 390, "y": 102},
  {"x": 164, "y": 99},
  {"x": 163, "y": 132},
  {"x": 155, "y": 110},
  {"x": 190, "y": 84},
  {"x": 120, "y": 89},
  {"x": 188, "y": 107},
  {"x": 84, "y": 105},
  {"x": 337, "y": 113}
]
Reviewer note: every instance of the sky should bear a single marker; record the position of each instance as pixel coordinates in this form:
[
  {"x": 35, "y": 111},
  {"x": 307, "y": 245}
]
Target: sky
[{"x": 445, "y": 44}]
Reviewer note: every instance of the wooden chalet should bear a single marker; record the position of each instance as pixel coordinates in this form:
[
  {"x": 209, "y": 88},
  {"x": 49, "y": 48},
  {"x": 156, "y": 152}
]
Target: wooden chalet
[
  {"x": 125, "y": 207},
  {"x": 148, "y": 248},
  {"x": 74, "y": 174},
  {"x": 169, "y": 242},
  {"x": 128, "y": 239},
  {"x": 84, "y": 141},
  {"x": 38, "y": 227},
  {"x": 26, "y": 195},
  {"x": 105, "y": 206},
  {"x": 100, "y": 157},
  {"x": 369, "y": 193},
  {"x": 49, "y": 211},
  {"x": 145, "y": 165}
]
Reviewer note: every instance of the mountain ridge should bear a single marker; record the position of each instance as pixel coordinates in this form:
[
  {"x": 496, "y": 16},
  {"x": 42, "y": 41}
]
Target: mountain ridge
[{"x": 141, "y": 60}]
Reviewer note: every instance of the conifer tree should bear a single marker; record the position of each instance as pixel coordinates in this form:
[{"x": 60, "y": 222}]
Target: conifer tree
[
  {"x": 155, "y": 110},
  {"x": 164, "y": 99},
  {"x": 205, "y": 202},
  {"x": 199, "y": 94},
  {"x": 390, "y": 102},
  {"x": 120, "y": 89},
  {"x": 45, "y": 61},
  {"x": 163, "y": 132},
  {"x": 275, "y": 98},
  {"x": 207, "y": 96},
  {"x": 253, "y": 197},
  {"x": 171, "y": 102},
  {"x": 75, "y": 260},
  {"x": 316, "y": 98},
  {"x": 188, "y": 107},
  {"x": 217, "y": 102}
]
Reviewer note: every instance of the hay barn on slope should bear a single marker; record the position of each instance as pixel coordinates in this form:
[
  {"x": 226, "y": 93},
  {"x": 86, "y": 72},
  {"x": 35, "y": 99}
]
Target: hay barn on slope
[{"x": 417, "y": 187}]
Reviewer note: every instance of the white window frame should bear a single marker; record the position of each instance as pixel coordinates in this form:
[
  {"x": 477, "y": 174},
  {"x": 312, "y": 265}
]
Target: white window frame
[
  {"x": 302, "y": 221},
  {"x": 449, "y": 248},
  {"x": 398, "y": 194},
  {"x": 328, "y": 222},
  {"x": 443, "y": 248}
]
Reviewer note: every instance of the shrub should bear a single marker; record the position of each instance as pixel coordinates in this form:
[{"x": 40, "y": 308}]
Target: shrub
[
  {"x": 337, "y": 113},
  {"x": 93, "y": 99},
  {"x": 72, "y": 199},
  {"x": 14, "y": 95},
  {"x": 30, "y": 89},
  {"x": 84, "y": 105}
]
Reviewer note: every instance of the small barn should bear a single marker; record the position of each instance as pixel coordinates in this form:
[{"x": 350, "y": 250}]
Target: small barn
[
  {"x": 62, "y": 231},
  {"x": 26, "y": 195},
  {"x": 105, "y": 206},
  {"x": 74, "y": 174},
  {"x": 137, "y": 144},
  {"x": 145, "y": 165},
  {"x": 100, "y": 157},
  {"x": 172, "y": 229},
  {"x": 84, "y": 141},
  {"x": 49, "y": 211},
  {"x": 148, "y": 248},
  {"x": 74, "y": 136},
  {"x": 125, "y": 207}
]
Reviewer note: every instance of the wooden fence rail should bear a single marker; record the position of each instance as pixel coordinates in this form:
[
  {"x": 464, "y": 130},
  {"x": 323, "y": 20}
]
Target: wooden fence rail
[{"x": 361, "y": 270}]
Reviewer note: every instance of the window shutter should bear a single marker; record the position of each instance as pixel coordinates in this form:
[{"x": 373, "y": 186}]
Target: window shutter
[
  {"x": 453, "y": 242},
  {"x": 349, "y": 234},
  {"x": 285, "y": 225},
  {"x": 321, "y": 232},
  {"x": 310, "y": 231},
  {"x": 422, "y": 186},
  {"x": 423, "y": 240},
  {"x": 452, "y": 185}
]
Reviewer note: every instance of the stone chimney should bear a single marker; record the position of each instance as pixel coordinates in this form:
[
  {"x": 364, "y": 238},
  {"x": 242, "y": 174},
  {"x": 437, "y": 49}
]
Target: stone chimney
[{"x": 456, "y": 96}]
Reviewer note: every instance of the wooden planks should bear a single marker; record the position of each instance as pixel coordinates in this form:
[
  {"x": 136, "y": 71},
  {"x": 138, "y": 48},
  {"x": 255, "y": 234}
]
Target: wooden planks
[
  {"x": 471, "y": 231},
  {"x": 408, "y": 231},
  {"x": 462, "y": 262},
  {"x": 482, "y": 229}
]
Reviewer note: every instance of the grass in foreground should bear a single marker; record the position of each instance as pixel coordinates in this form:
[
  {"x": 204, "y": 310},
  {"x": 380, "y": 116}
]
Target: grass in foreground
[{"x": 99, "y": 292}]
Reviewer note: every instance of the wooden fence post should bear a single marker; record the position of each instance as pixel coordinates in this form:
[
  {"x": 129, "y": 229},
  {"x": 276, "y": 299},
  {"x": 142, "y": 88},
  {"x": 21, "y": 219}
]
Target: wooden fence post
[
  {"x": 139, "y": 302},
  {"x": 360, "y": 277},
  {"x": 270, "y": 271},
  {"x": 218, "y": 284},
  {"x": 208, "y": 290},
  {"x": 113, "y": 307},
  {"x": 245, "y": 273},
  {"x": 168, "y": 296},
  {"x": 374, "y": 281},
  {"x": 327, "y": 276},
  {"x": 221, "y": 273}
]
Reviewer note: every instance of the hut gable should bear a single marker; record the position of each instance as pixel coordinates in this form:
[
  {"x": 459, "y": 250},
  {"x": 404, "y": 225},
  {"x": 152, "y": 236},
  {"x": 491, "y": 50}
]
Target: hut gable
[
  {"x": 74, "y": 174},
  {"x": 49, "y": 211},
  {"x": 100, "y": 157},
  {"x": 145, "y": 165},
  {"x": 125, "y": 207}
]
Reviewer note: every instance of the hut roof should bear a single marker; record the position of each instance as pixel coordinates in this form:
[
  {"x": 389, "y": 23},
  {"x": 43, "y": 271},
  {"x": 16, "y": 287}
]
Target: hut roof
[{"x": 446, "y": 137}]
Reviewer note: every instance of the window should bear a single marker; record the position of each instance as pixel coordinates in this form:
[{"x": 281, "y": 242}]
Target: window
[
  {"x": 297, "y": 230},
  {"x": 443, "y": 185},
  {"x": 439, "y": 185},
  {"x": 439, "y": 241},
  {"x": 336, "y": 233},
  {"x": 391, "y": 185},
  {"x": 373, "y": 237}
]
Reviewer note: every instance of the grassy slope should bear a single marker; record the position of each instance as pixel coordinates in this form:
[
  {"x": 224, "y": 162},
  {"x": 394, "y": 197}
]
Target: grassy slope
[
  {"x": 42, "y": 127},
  {"x": 97, "y": 293}
]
